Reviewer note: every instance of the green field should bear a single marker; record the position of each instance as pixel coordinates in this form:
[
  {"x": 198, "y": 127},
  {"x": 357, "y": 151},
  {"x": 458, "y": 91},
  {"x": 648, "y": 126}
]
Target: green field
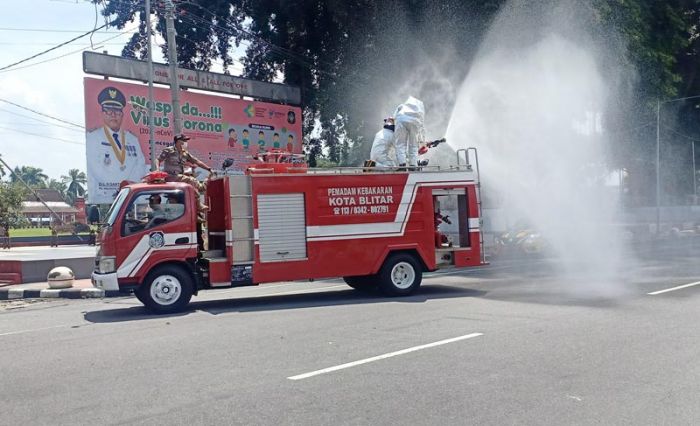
[{"x": 35, "y": 232}]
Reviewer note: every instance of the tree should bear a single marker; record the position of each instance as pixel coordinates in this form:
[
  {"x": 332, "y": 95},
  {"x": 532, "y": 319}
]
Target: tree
[
  {"x": 347, "y": 57},
  {"x": 32, "y": 176},
  {"x": 355, "y": 60},
  {"x": 661, "y": 42},
  {"x": 75, "y": 181},
  {"x": 11, "y": 196},
  {"x": 59, "y": 186}
]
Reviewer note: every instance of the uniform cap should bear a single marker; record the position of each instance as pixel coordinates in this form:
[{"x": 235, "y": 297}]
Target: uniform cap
[
  {"x": 111, "y": 97},
  {"x": 181, "y": 137}
]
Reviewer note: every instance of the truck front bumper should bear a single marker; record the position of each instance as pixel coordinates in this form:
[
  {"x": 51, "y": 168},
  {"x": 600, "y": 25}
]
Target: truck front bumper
[{"x": 105, "y": 281}]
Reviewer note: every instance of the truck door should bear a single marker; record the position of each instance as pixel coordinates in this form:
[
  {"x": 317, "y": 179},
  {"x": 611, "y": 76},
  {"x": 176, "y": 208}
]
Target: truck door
[
  {"x": 455, "y": 243},
  {"x": 156, "y": 225}
]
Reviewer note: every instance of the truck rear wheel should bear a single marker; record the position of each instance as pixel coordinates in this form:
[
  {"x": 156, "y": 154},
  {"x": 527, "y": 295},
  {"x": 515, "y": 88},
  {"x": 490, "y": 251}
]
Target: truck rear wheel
[
  {"x": 400, "y": 275},
  {"x": 167, "y": 289},
  {"x": 362, "y": 283}
]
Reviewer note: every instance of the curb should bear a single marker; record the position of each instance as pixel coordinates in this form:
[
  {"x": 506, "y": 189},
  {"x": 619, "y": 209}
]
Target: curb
[{"x": 70, "y": 293}]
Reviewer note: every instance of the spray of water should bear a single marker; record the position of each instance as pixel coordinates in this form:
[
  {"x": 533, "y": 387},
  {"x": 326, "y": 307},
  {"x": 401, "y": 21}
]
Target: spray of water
[{"x": 532, "y": 103}]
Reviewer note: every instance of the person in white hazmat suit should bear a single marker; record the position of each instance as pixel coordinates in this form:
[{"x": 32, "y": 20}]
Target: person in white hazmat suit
[
  {"x": 409, "y": 132},
  {"x": 383, "y": 150}
]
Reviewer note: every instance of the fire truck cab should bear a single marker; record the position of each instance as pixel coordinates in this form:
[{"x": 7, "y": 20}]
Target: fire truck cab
[{"x": 375, "y": 228}]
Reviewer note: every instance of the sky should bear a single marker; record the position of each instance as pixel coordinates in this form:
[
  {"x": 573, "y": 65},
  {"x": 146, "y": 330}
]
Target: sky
[{"x": 53, "y": 87}]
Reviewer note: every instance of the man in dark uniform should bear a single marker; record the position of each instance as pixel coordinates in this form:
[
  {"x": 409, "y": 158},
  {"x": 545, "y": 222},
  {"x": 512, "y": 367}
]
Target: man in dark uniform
[{"x": 173, "y": 160}]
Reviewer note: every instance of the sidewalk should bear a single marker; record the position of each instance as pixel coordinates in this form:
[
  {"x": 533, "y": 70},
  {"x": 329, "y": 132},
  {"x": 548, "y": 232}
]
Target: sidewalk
[{"x": 82, "y": 289}]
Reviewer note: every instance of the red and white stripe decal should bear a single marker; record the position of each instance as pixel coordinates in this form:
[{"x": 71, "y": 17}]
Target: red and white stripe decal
[
  {"x": 386, "y": 229},
  {"x": 397, "y": 227},
  {"x": 142, "y": 251}
]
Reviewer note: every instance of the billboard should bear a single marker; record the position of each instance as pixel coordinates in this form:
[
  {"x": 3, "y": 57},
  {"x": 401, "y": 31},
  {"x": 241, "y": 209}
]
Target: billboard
[
  {"x": 116, "y": 121},
  {"x": 134, "y": 69}
]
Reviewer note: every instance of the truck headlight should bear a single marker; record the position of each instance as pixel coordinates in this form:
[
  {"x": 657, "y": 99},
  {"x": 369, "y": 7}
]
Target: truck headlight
[{"x": 106, "y": 264}]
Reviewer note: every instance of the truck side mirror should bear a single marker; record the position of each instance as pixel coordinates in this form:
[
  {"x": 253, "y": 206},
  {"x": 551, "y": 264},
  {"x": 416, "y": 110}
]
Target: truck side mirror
[
  {"x": 227, "y": 163},
  {"x": 93, "y": 214}
]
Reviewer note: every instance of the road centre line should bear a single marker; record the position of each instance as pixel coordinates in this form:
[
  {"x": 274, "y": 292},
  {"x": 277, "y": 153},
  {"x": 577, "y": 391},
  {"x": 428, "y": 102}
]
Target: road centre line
[
  {"x": 380, "y": 357},
  {"x": 31, "y": 330},
  {"x": 674, "y": 288}
]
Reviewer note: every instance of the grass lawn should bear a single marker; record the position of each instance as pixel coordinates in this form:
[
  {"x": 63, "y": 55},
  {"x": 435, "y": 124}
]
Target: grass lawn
[{"x": 34, "y": 232}]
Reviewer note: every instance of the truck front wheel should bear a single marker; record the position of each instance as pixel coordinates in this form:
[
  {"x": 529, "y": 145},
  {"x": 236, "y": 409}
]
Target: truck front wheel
[
  {"x": 167, "y": 289},
  {"x": 400, "y": 275}
]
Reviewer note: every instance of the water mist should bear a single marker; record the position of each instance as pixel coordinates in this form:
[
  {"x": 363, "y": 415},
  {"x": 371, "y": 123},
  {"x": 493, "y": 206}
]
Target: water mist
[{"x": 532, "y": 104}]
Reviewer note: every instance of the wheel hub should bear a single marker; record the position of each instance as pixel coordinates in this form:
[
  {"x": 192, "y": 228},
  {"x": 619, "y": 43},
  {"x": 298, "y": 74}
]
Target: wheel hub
[
  {"x": 403, "y": 275},
  {"x": 166, "y": 290}
]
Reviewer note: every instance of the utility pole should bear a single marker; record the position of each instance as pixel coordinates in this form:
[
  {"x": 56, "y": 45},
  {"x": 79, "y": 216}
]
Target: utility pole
[
  {"x": 695, "y": 178},
  {"x": 658, "y": 168},
  {"x": 172, "y": 61},
  {"x": 151, "y": 142}
]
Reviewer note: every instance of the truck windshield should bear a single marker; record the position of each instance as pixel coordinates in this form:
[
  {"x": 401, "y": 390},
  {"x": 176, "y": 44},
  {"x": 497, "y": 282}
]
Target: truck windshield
[{"x": 116, "y": 206}]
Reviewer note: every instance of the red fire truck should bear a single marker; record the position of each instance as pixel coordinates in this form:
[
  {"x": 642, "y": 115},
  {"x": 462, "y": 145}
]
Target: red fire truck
[{"x": 374, "y": 228}]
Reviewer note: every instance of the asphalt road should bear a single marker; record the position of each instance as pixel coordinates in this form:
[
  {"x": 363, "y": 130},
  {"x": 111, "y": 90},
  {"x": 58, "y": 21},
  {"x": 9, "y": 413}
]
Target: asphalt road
[{"x": 512, "y": 343}]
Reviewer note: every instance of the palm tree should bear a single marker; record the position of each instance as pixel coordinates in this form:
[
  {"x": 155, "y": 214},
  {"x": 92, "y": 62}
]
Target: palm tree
[
  {"x": 58, "y": 186},
  {"x": 32, "y": 176},
  {"x": 75, "y": 181}
]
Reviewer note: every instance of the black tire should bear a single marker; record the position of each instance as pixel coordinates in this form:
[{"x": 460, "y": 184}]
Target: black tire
[
  {"x": 362, "y": 283},
  {"x": 139, "y": 293},
  {"x": 166, "y": 289},
  {"x": 400, "y": 275}
]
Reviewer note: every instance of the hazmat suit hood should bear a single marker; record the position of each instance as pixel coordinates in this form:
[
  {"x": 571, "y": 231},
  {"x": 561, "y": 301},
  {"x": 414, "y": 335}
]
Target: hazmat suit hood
[{"x": 411, "y": 111}]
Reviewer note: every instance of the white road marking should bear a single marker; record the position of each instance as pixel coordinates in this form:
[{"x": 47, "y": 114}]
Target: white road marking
[
  {"x": 379, "y": 357},
  {"x": 674, "y": 288},
  {"x": 31, "y": 330}
]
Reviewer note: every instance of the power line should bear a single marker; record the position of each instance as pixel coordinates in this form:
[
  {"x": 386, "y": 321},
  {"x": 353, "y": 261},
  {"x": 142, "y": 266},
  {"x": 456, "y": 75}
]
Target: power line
[
  {"x": 233, "y": 60},
  {"x": 631, "y": 129},
  {"x": 44, "y": 122},
  {"x": 672, "y": 130},
  {"x": 52, "y": 48},
  {"x": 299, "y": 58},
  {"x": 39, "y": 124},
  {"x": 2, "y": 43},
  {"x": 273, "y": 47},
  {"x": 42, "y": 136},
  {"x": 65, "y": 54},
  {"x": 48, "y": 123},
  {"x": 275, "y": 50},
  {"x": 41, "y": 113},
  {"x": 44, "y": 30}
]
